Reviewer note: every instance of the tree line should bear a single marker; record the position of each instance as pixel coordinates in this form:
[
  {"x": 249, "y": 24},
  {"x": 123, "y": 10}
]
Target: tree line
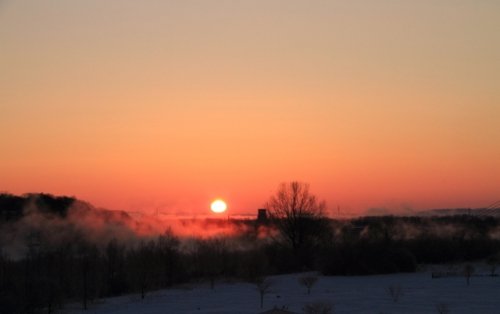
[{"x": 76, "y": 269}]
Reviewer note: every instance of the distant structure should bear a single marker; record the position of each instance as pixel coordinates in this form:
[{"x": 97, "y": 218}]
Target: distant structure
[
  {"x": 491, "y": 211},
  {"x": 262, "y": 215}
]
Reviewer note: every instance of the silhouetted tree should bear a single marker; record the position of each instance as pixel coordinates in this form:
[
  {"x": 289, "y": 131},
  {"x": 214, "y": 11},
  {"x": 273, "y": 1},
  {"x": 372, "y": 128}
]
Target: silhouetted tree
[
  {"x": 48, "y": 203},
  {"x": 442, "y": 308},
  {"x": 308, "y": 282},
  {"x": 49, "y": 288},
  {"x": 115, "y": 267},
  {"x": 211, "y": 258},
  {"x": 87, "y": 256},
  {"x": 263, "y": 286},
  {"x": 468, "y": 271},
  {"x": 395, "y": 292},
  {"x": 492, "y": 262},
  {"x": 142, "y": 271},
  {"x": 255, "y": 264},
  {"x": 33, "y": 297},
  {"x": 299, "y": 217},
  {"x": 168, "y": 246},
  {"x": 10, "y": 295},
  {"x": 11, "y": 207}
]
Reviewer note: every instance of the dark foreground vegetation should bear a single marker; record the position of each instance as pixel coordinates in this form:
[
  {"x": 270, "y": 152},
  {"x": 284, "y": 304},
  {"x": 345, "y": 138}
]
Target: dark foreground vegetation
[{"x": 48, "y": 271}]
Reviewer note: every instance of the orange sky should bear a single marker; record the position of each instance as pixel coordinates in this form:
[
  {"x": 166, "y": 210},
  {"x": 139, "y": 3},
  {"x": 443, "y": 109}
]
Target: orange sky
[{"x": 145, "y": 105}]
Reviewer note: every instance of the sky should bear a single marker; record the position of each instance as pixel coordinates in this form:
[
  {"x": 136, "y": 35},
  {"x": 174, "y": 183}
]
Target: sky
[{"x": 166, "y": 105}]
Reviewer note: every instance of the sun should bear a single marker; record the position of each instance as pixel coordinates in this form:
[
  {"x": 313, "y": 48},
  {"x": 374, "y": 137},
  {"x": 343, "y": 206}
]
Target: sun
[{"x": 218, "y": 206}]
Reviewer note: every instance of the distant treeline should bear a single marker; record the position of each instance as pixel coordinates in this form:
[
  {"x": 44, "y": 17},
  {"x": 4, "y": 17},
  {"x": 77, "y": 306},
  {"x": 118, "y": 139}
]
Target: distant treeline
[
  {"x": 14, "y": 207},
  {"x": 53, "y": 271}
]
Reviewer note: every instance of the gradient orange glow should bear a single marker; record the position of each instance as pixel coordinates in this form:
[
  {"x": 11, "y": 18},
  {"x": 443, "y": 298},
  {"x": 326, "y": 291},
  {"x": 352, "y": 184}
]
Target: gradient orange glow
[{"x": 159, "y": 105}]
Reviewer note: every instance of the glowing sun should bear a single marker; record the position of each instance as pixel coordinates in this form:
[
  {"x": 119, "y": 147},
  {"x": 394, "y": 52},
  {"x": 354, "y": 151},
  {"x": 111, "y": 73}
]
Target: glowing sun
[{"x": 218, "y": 206}]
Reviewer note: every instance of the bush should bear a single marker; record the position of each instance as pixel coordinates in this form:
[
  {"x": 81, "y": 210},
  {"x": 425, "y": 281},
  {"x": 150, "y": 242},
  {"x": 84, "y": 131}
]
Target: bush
[
  {"x": 308, "y": 282},
  {"x": 395, "y": 292},
  {"x": 318, "y": 308}
]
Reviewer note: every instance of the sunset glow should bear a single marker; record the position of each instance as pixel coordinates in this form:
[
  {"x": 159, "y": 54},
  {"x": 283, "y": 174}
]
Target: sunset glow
[
  {"x": 273, "y": 145},
  {"x": 159, "y": 105}
]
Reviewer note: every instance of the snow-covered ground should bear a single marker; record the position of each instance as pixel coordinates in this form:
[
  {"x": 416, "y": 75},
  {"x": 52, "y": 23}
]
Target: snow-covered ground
[{"x": 367, "y": 294}]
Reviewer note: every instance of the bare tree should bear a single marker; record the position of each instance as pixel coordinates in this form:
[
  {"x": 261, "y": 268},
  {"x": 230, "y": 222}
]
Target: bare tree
[
  {"x": 212, "y": 258},
  {"x": 297, "y": 213},
  {"x": 395, "y": 292},
  {"x": 254, "y": 265},
  {"x": 263, "y": 286},
  {"x": 114, "y": 259},
  {"x": 468, "y": 271},
  {"x": 442, "y": 308},
  {"x": 492, "y": 262},
  {"x": 308, "y": 282},
  {"x": 142, "y": 261},
  {"x": 168, "y": 246},
  {"x": 87, "y": 255}
]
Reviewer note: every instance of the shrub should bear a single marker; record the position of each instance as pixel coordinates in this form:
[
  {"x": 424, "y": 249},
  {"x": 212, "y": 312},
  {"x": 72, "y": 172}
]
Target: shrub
[{"x": 318, "y": 308}]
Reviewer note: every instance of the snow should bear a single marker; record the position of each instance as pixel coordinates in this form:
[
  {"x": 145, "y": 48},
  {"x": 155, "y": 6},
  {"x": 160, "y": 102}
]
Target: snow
[{"x": 358, "y": 294}]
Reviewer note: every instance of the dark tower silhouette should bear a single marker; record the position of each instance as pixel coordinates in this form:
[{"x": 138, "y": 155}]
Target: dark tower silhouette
[{"x": 262, "y": 215}]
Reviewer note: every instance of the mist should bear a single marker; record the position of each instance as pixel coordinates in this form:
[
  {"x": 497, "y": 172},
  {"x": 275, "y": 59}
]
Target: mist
[{"x": 38, "y": 222}]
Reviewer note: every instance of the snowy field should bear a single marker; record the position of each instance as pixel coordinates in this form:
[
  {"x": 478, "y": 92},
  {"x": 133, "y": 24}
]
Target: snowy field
[{"x": 367, "y": 294}]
